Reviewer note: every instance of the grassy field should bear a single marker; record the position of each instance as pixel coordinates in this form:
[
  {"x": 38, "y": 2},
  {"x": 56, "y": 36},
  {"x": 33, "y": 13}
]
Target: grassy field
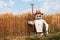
[
  {"x": 13, "y": 27},
  {"x": 55, "y": 36}
]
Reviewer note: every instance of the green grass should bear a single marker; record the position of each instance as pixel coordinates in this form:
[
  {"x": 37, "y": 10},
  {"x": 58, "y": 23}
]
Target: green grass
[
  {"x": 54, "y": 36},
  {"x": 46, "y": 37}
]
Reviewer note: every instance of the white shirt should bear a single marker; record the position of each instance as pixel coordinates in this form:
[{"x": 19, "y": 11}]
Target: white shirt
[{"x": 39, "y": 25}]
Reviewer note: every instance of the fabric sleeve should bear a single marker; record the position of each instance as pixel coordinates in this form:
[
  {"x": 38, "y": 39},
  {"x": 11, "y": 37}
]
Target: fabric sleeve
[
  {"x": 31, "y": 22},
  {"x": 46, "y": 25}
]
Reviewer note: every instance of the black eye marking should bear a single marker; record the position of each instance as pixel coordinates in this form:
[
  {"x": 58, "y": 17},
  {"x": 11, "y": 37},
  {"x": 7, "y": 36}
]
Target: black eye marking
[{"x": 38, "y": 16}]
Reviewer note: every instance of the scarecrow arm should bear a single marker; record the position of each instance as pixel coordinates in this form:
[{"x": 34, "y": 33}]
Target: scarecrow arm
[
  {"x": 31, "y": 22},
  {"x": 46, "y": 25}
]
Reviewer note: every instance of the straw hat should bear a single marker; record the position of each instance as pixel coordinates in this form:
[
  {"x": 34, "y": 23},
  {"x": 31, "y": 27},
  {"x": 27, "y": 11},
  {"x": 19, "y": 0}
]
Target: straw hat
[{"x": 38, "y": 12}]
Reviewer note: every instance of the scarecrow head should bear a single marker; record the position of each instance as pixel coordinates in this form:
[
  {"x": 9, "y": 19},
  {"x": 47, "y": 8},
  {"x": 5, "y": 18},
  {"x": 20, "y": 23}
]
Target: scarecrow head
[{"x": 38, "y": 14}]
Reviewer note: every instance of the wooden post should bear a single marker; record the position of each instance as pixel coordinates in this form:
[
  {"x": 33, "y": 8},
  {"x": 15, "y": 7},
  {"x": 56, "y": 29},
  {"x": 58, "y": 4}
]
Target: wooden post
[
  {"x": 32, "y": 15},
  {"x": 32, "y": 7}
]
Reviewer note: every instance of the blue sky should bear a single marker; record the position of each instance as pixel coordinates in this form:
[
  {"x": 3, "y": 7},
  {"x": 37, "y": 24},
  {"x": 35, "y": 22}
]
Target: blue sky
[{"x": 22, "y": 6}]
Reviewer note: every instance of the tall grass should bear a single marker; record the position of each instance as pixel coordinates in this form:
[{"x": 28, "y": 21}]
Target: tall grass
[{"x": 16, "y": 25}]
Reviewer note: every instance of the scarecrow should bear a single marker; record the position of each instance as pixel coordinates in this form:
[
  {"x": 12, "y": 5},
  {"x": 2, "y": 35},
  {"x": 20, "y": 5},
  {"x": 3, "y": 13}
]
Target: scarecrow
[{"x": 39, "y": 23}]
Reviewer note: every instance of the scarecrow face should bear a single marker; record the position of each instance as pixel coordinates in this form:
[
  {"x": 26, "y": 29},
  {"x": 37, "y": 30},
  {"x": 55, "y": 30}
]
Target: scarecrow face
[{"x": 38, "y": 14}]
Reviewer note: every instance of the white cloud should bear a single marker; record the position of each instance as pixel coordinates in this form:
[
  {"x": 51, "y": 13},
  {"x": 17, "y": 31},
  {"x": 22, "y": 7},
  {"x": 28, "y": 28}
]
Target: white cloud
[
  {"x": 27, "y": 10},
  {"x": 26, "y": 0},
  {"x": 2, "y": 4},
  {"x": 11, "y": 10},
  {"x": 50, "y": 6},
  {"x": 11, "y": 2},
  {"x": 47, "y": 0},
  {"x": 7, "y": 10}
]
